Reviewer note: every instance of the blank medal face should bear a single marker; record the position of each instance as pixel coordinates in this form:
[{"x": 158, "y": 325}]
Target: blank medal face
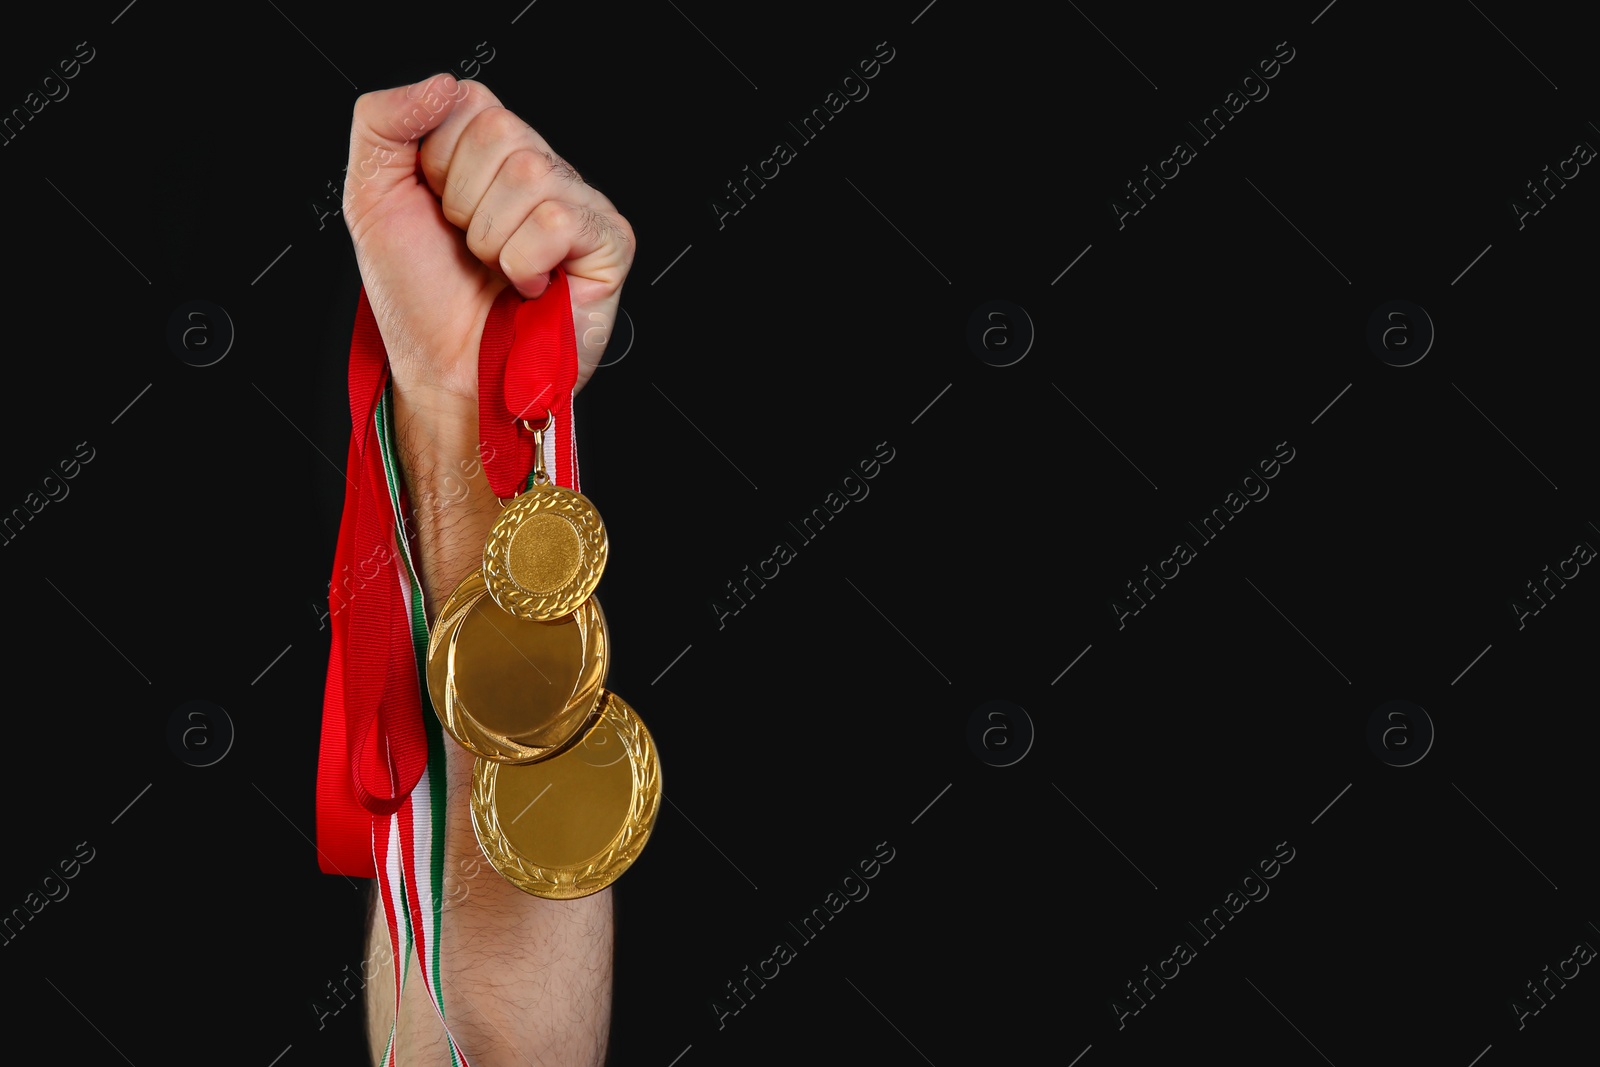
[
  {"x": 545, "y": 554},
  {"x": 564, "y": 811},
  {"x": 510, "y": 689},
  {"x": 569, "y": 825},
  {"x": 519, "y": 679}
]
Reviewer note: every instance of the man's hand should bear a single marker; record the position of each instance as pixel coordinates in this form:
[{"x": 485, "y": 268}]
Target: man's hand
[
  {"x": 525, "y": 979},
  {"x": 495, "y": 206}
]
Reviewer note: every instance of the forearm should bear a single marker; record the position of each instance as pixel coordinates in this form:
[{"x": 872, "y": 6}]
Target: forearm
[
  {"x": 451, "y": 504},
  {"x": 522, "y": 977}
]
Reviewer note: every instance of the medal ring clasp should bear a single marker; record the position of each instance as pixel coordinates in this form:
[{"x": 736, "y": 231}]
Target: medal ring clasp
[{"x": 540, "y": 476}]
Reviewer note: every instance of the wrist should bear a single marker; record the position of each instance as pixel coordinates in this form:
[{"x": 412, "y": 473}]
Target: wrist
[{"x": 451, "y": 505}]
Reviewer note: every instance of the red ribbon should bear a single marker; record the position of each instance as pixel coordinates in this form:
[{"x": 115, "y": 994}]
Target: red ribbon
[
  {"x": 527, "y": 381},
  {"x": 374, "y": 748}
]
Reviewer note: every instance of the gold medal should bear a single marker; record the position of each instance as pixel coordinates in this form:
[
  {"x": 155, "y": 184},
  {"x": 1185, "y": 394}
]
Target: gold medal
[
  {"x": 569, "y": 825},
  {"x": 548, "y": 548},
  {"x": 510, "y": 690}
]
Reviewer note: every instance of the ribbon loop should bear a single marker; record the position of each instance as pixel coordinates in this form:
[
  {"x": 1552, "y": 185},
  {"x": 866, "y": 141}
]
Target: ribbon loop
[{"x": 524, "y": 372}]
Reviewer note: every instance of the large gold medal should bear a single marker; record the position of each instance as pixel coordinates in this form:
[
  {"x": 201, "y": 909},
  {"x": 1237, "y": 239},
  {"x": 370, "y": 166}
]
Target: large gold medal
[
  {"x": 568, "y": 826},
  {"x": 511, "y": 690}
]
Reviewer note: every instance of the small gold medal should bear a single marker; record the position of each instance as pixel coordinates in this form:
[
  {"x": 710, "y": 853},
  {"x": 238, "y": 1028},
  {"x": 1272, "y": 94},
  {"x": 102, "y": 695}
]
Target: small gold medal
[
  {"x": 547, "y": 549},
  {"x": 569, "y": 825}
]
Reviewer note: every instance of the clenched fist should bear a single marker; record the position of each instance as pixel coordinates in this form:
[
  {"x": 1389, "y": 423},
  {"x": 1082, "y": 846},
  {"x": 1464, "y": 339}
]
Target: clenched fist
[{"x": 449, "y": 198}]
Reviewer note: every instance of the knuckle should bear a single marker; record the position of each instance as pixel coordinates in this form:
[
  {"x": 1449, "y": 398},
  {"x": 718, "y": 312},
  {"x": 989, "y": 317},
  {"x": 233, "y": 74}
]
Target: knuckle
[
  {"x": 492, "y": 126},
  {"x": 555, "y": 215},
  {"x": 526, "y": 166}
]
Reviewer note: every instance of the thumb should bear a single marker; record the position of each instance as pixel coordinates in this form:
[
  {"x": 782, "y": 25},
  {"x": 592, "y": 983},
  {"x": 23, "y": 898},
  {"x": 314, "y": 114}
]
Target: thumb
[{"x": 385, "y": 135}]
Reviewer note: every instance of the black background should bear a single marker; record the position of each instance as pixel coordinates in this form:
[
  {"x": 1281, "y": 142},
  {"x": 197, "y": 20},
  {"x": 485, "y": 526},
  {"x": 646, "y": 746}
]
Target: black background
[{"x": 190, "y": 559}]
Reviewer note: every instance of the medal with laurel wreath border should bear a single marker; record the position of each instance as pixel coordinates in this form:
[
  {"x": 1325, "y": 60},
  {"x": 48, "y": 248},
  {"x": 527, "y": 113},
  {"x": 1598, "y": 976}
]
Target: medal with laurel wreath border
[{"x": 604, "y": 867}]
